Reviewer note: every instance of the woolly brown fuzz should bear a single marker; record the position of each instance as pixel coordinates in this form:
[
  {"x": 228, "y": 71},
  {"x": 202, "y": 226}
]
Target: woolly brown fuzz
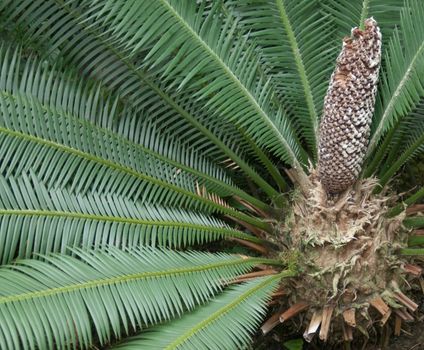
[
  {"x": 346, "y": 249},
  {"x": 348, "y": 109}
]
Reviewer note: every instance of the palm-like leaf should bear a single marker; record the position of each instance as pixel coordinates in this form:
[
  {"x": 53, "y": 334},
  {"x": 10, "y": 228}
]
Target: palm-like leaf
[
  {"x": 86, "y": 149},
  {"x": 295, "y": 40},
  {"x": 131, "y": 127},
  {"x": 227, "y": 315},
  {"x": 59, "y": 300},
  {"x": 82, "y": 39},
  {"x": 406, "y": 141},
  {"x": 402, "y": 85},
  {"x": 75, "y": 151},
  {"x": 64, "y": 93},
  {"x": 34, "y": 219}
]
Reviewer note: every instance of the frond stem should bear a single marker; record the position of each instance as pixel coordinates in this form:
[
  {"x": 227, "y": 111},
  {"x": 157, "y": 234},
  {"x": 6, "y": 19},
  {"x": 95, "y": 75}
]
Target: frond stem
[
  {"x": 392, "y": 103},
  {"x": 191, "y": 119},
  {"x": 415, "y": 222},
  {"x": 411, "y": 251},
  {"x": 82, "y": 216},
  {"x": 415, "y": 240},
  {"x": 227, "y": 308},
  {"x": 313, "y": 115},
  {"x": 126, "y": 278},
  {"x": 406, "y": 203},
  {"x": 119, "y": 167}
]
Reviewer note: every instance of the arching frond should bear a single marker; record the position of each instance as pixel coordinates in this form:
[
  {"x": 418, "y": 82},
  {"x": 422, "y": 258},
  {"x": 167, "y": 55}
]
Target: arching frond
[
  {"x": 72, "y": 146},
  {"x": 406, "y": 131},
  {"x": 72, "y": 95},
  {"x": 227, "y": 322},
  {"x": 407, "y": 141},
  {"x": 402, "y": 83},
  {"x": 81, "y": 41},
  {"x": 210, "y": 52},
  {"x": 75, "y": 153},
  {"x": 295, "y": 40},
  {"x": 34, "y": 219},
  {"x": 64, "y": 301},
  {"x": 133, "y": 130},
  {"x": 348, "y": 14}
]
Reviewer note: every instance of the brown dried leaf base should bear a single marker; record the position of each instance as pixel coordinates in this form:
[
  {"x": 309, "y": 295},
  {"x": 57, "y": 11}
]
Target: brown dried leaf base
[{"x": 351, "y": 278}]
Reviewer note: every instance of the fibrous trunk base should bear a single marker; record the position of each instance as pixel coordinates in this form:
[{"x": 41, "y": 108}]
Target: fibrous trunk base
[{"x": 346, "y": 249}]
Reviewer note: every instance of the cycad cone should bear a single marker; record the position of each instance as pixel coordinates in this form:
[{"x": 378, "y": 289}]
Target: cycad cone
[
  {"x": 346, "y": 244},
  {"x": 348, "y": 109}
]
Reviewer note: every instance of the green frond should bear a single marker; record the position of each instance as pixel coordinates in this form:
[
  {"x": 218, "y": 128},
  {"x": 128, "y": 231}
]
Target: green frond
[
  {"x": 405, "y": 141},
  {"x": 132, "y": 130},
  {"x": 402, "y": 84},
  {"x": 76, "y": 148},
  {"x": 83, "y": 43},
  {"x": 295, "y": 40},
  {"x": 34, "y": 219},
  {"x": 415, "y": 241},
  {"x": 70, "y": 94},
  {"x": 407, "y": 202},
  {"x": 413, "y": 149},
  {"x": 412, "y": 251},
  {"x": 405, "y": 132},
  {"x": 210, "y": 52},
  {"x": 66, "y": 301},
  {"x": 269, "y": 165},
  {"x": 414, "y": 222},
  {"x": 227, "y": 322},
  {"x": 347, "y": 14},
  {"x": 76, "y": 153}
]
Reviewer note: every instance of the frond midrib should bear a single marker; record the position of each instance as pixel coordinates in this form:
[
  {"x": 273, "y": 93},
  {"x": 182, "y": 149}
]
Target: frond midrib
[
  {"x": 228, "y": 187},
  {"x": 192, "y": 120},
  {"x": 230, "y": 211},
  {"x": 135, "y": 276},
  {"x": 219, "y": 313},
  {"x": 301, "y": 70},
  {"x": 236, "y": 81},
  {"x": 392, "y": 103},
  {"x": 75, "y": 215}
]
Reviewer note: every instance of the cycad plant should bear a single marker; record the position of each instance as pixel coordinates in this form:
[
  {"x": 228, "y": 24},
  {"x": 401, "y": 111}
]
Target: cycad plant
[{"x": 169, "y": 169}]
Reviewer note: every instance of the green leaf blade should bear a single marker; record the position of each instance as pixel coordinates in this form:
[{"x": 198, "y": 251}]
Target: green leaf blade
[
  {"x": 147, "y": 285},
  {"x": 232, "y": 315}
]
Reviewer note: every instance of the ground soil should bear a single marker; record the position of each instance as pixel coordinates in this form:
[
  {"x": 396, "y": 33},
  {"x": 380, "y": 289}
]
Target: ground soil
[{"x": 411, "y": 339}]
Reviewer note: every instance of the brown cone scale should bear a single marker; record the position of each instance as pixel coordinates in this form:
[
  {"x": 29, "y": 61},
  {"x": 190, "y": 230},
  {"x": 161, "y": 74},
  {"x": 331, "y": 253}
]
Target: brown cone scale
[{"x": 348, "y": 109}]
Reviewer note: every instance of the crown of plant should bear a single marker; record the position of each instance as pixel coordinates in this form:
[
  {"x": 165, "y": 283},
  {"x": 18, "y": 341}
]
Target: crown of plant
[{"x": 179, "y": 174}]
